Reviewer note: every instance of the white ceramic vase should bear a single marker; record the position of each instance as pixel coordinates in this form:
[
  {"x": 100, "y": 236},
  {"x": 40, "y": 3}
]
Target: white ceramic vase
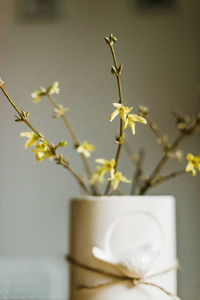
[{"x": 123, "y": 226}]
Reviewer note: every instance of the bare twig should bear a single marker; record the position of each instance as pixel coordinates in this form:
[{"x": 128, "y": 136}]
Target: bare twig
[
  {"x": 181, "y": 120},
  {"x": 172, "y": 175},
  {"x": 133, "y": 157},
  {"x": 76, "y": 142},
  {"x": 160, "y": 165},
  {"x": 161, "y": 138},
  {"x": 62, "y": 161},
  {"x": 138, "y": 172}
]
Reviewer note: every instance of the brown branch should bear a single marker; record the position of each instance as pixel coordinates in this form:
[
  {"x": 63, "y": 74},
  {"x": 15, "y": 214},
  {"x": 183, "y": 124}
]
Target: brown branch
[
  {"x": 161, "y": 138},
  {"x": 160, "y": 165},
  {"x": 172, "y": 175},
  {"x": 22, "y": 116},
  {"x": 138, "y": 172},
  {"x": 62, "y": 161},
  {"x": 133, "y": 157}
]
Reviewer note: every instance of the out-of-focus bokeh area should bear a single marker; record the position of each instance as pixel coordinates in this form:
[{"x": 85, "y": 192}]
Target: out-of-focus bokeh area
[{"x": 159, "y": 46}]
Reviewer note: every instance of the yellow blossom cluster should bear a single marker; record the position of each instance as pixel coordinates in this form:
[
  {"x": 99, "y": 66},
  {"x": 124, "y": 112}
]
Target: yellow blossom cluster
[
  {"x": 32, "y": 138},
  {"x": 53, "y": 89},
  {"x": 108, "y": 166},
  {"x": 42, "y": 151},
  {"x": 59, "y": 111},
  {"x": 85, "y": 148},
  {"x": 42, "y": 148},
  {"x": 128, "y": 118},
  {"x": 193, "y": 163}
]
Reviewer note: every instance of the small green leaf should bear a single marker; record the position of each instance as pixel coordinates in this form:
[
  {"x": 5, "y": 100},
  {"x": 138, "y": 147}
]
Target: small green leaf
[
  {"x": 107, "y": 40},
  {"x": 113, "y": 70},
  {"x": 120, "y": 69},
  {"x": 113, "y": 38}
]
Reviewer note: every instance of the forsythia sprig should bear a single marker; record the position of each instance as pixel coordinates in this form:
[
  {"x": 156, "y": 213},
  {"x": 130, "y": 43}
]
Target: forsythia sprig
[
  {"x": 127, "y": 118},
  {"x": 43, "y": 148},
  {"x": 116, "y": 179},
  {"x": 104, "y": 166},
  {"x": 108, "y": 166},
  {"x": 59, "y": 111},
  {"x": 86, "y": 149},
  {"x": 52, "y": 89}
]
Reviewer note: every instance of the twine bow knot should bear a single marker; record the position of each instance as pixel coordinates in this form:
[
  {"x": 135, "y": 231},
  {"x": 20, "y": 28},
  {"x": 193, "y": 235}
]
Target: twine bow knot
[{"x": 117, "y": 279}]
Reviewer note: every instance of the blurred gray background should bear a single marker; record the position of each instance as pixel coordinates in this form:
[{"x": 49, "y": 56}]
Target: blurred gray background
[{"x": 159, "y": 49}]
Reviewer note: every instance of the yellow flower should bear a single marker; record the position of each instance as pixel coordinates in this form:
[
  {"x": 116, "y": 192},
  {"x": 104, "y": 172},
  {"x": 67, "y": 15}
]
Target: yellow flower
[
  {"x": 59, "y": 111},
  {"x": 85, "y": 149},
  {"x": 121, "y": 110},
  {"x": 131, "y": 120},
  {"x": 107, "y": 166},
  {"x": 42, "y": 151},
  {"x": 193, "y": 163},
  {"x": 98, "y": 176},
  {"x": 37, "y": 95},
  {"x": 61, "y": 144},
  {"x": 32, "y": 138},
  {"x": 54, "y": 88},
  {"x": 116, "y": 178}
]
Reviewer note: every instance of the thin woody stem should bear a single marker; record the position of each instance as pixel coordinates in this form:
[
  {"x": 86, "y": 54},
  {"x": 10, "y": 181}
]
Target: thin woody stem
[
  {"x": 60, "y": 160},
  {"x": 19, "y": 112},
  {"x": 161, "y": 164},
  {"x": 77, "y": 177},
  {"x": 168, "y": 177},
  {"x": 71, "y": 131},
  {"x": 94, "y": 188},
  {"x": 165, "y": 158},
  {"x": 161, "y": 139},
  {"x": 117, "y": 74},
  {"x": 24, "y": 119},
  {"x": 133, "y": 157},
  {"x": 138, "y": 172}
]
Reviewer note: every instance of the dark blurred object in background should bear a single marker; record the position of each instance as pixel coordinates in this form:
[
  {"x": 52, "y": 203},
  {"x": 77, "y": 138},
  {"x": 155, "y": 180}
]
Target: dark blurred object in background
[
  {"x": 39, "y": 9},
  {"x": 154, "y": 4}
]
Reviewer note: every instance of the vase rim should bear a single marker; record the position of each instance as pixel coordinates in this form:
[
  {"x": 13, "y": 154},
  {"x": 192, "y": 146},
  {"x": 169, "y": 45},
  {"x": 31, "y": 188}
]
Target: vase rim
[{"x": 118, "y": 197}]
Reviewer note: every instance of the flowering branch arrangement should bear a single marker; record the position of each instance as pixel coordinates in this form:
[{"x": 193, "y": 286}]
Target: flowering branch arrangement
[{"x": 108, "y": 169}]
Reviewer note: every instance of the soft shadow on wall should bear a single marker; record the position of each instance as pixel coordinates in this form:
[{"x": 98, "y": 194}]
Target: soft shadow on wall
[
  {"x": 39, "y": 10},
  {"x": 158, "y": 6}
]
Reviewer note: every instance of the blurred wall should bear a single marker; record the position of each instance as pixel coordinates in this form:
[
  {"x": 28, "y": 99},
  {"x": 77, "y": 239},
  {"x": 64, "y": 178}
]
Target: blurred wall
[{"x": 160, "y": 53}]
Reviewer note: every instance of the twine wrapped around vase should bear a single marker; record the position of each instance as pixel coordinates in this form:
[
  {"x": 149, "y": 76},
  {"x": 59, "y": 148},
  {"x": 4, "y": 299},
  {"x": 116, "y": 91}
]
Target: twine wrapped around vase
[{"x": 117, "y": 279}]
